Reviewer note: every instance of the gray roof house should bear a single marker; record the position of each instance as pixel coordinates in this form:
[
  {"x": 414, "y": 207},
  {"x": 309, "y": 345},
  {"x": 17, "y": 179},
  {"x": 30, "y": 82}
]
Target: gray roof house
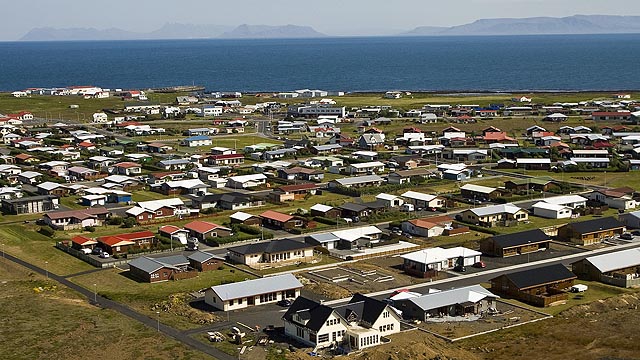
[{"x": 253, "y": 292}]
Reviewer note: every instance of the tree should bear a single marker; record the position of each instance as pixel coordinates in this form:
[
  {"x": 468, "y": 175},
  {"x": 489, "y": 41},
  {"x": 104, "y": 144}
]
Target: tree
[{"x": 129, "y": 222}]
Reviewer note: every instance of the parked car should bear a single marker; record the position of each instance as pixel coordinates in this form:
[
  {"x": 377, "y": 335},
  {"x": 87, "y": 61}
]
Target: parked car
[
  {"x": 96, "y": 251},
  {"x": 285, "y": 302},
  {"x": 480, "y": 265},
  {"x": 104, "y": 255},
  {"x": 85, "y": 251},
  {"x": 626, "y": 236},
  {"x": 635, "y": 233},
  {"x": 460, "y": 268}
]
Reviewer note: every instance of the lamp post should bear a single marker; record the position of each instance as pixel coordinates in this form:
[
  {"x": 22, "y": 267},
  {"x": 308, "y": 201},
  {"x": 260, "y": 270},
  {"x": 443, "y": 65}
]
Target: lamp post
[
  {"x": 46, "y": 268},
  {"x": 158, "y": 318},
  {"x": 3, "y": 251},
  {"x": 95, "y": 293}
]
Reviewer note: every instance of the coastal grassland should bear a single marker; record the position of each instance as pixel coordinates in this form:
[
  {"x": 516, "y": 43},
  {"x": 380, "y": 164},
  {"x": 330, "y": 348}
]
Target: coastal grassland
[
  {"x": 535, "y": 222},
  {"x": 23, "y": 241},
  {"x": 117, "y": 285},
  {"x": 609, "y": 179},
  {"x": 57, "y": 323}
]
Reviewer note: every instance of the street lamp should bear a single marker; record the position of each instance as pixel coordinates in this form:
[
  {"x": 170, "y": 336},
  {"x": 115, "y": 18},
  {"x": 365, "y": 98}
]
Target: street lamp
[
  {"x": 46, "y": 268},
  {"x": 95, "y": 293},
  {"x": 3, "y": 251},
  {"x": 158, "y": 313}
]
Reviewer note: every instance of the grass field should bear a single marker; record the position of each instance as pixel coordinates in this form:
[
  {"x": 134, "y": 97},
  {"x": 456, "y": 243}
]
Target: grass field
[
  {"x": 56, "y": 323},
  {"x": 116, "y": 285}
]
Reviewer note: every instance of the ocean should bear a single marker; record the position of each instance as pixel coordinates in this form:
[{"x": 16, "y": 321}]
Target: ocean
[{"x": 465, "y": 63}]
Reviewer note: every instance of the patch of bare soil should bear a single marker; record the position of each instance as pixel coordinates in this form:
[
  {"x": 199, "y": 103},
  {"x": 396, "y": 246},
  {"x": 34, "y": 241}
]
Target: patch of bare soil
[
  {"x": 178, "y": 304},
  {"x": 603, "y": 329}
]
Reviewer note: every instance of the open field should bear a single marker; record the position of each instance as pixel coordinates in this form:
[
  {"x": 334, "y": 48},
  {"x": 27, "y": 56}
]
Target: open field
[
  {"x": 56, "y": 323},
  {"x": 117, "y": 285}
]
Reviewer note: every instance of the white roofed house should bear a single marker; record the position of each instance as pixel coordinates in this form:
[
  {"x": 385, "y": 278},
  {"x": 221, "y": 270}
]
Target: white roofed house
[
  {"x": 357, "y": 181},
  {"x": 158, "y": 209},
  {"x": 495, "y": 215},
  {"x": 479, "y": 192},
  {"x": 246, "y": 181},
  {"x": 248, "y": 293},
  {"x": 466, "y": 154},
  {"x": 621, "y": 198},
  {"x": 533, "y": 163},
  {"x": 183, "y": 187},
  {"x": 428, "y": 262},
  {"x": 620, "y": 268},
  {"x": 457, "y": 303},
  {"x": 423, "y": 201},
  {"x": 571, "y": 201},
  {"x": 389, "y": 200},
  {"x": 366, "y": 168},
  {"x": 551, "y": 211},
  {"x": 371, "y": 141}
]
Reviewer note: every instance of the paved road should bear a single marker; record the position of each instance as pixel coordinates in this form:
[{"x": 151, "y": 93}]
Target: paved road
[{"x": 144, "y": 319}]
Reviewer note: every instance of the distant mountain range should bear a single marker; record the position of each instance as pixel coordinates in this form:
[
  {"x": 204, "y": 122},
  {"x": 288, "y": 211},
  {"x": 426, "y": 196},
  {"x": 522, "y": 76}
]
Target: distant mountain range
[
  {"x": 577, "y": 24},
  {"x": 173, "y": 31}
]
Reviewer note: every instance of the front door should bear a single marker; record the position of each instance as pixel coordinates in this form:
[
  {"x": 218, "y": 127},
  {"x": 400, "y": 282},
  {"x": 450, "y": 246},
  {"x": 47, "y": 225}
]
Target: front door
[{"x": 250, "y": 300}]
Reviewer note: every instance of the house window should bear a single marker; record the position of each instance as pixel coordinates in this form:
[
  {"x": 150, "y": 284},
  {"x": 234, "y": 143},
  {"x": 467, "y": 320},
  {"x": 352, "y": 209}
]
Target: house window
[
  {"x": 323, "y": 338},
  {"x": 300, "y": 332},
  {"x": 159, "y": 212},
  {"x": 155, "y": 276}
]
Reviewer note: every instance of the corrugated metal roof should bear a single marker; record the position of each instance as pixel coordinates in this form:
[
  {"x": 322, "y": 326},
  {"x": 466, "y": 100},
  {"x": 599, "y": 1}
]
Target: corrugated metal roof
[
  {"x": 615, "y": 260},
  {"x": 256, "y": 287},
  {"x": 468, "y": 294}
]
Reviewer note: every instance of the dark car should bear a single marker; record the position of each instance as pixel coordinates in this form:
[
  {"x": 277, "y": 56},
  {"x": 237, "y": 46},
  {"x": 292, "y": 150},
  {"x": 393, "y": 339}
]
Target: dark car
[
  {"x": 460, "y": 268},
  {"x": 96, "y": 251},
  {"x": 285, "y": 303},
  {"x": 480, "y": 265},
  {"x": 635, "y": 233},
  {"x": 626, "y": 236}
]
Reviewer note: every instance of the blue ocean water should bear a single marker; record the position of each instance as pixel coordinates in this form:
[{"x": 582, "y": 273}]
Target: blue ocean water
[{"x": 493, "y": 63}]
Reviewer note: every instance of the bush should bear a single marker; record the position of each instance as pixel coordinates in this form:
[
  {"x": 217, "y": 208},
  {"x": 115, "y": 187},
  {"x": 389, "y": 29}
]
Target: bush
[
  {"x": 115, "y": 220},
  {"x": 129, "y": 222},
  {"x": 47, "y": 231},
  {"x": 90, "y": 228}
]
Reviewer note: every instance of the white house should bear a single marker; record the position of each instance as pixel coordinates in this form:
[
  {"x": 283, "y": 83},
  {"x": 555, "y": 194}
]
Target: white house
[
  {"x": 366, "y": 168},
  {"x": 389, "y": 200},
  {"x": 357, "y": 325},
  {"x": 551, "y": 211},
  {"x": 614, "y": 199},
  {"x": 572, "y": 201},
  {"x": 246, "y": 181},
  {"x": 255, "y": 292},
  {"x": 422, "y": 200},
  {"x": 426, "y": 261},
  {"x": 195, "y": 141},
  {"x": 100, "y": 118}
]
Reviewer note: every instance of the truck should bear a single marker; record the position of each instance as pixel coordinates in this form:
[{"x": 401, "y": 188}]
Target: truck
[
  {"x": 192, "y": 244},
  {"x": 578, "y": 288}
]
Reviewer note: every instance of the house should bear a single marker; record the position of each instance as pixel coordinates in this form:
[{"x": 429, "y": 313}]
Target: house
[
  {"x": 204, "y": 261},
  {"x": 326, "y": 149},
  {"x": 466, "y": 155},
  {"x": 572, "y": 201},
  {"x": 151, "y": 270},
  {"x": 533, "y": 163},
  {"x": 424, "y": 201},
  {"x": 29, "y": 177},
  {"x": 620, "y": 268},
  {"x": 30, "y": 204},
  {"x": 245, "y": 218},
  {"x": 405, "y": 176},
  {"x": 454, "y": 303},
  {"x": 630, "y": 219},
  {"x": 428, "y": 262},
  {"x": 354, "y": 211},
  {"x": 365, "y": 168},
  {"x": 82, "y": 173},
  {"x": 174, "y": 233},
  {"x": 590, "y": 162},
  {"x": 80, "y": 242},
  {"x": 272, "y": 253},
  {"x": 246, "y": 181},
  {"x": 494, "y": 215},
  {"x": 279, "y": 220},
  {"x": 202, "y": 230},
  {"x": 591, "y": 231},
  {"x": 158, "y": 209},
  {"x": 429, "y": 226},
  {"x": 255, "y": 292},
  {"x": 347, "y": 239},
  {"x": 542, "y": 183},
  {"x": 158, "y": 148},
  {"x": 621, "y": 199},
  {"x": 174, "y": 164},
  {"x": 551, "y": 211},
  {"x": 225, "y": 201},
  {"x": 182, "y": 187},
  {"x": 122, "y": 243},
  {"x": 325, "y": 211},
  {"x": 195, "y": 141},
  {"x": 92, "y": 200},
  {"x": 76, "y": 219},
  {"x": 371, "y": 141},
  {"x": 293, "y": 192},
  {"x": 390, "y": 201},
  {"x": 357, "y": 325},
  {"x": 127, "y": 168},
  {"x": 300, "y": 173},
  {"x": 357, "y": 181},
  {"x": 540, "y": 286},
  {"x": 51, "y": 188},
  {"x": 515, "y": 244},
  {"x": 610, "y": 115},
  {"x": 226, "y": 159},
  {"x": 479, "y": 192}
]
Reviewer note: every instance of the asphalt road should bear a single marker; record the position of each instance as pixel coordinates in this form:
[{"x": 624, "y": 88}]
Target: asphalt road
[{"x": 127, "y": 311}]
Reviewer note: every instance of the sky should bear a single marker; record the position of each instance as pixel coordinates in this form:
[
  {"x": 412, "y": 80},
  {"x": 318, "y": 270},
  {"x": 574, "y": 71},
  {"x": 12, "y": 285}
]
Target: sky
[{"x": 332, "y": 17}]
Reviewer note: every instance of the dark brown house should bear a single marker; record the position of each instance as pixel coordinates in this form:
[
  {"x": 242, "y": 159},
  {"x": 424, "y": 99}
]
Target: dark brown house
[
  {"x": 539, "y": 287},
  {"x": 203, "y": 261},
  {"x": 515, "y": 244},
  {"x": 279, "y": 220},
  {"x": 152, "y": 270},
  {"x": 591, "y": 231}
]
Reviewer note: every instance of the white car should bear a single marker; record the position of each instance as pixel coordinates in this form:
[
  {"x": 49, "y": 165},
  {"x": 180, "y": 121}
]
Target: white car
[
  {"x": 104, "y": 255},
  {"x": 85, "y": 251}
]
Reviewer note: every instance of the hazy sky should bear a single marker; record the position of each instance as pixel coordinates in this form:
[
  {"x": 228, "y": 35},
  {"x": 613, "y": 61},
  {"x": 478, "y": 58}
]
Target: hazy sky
[{"x": 333, "y": 17}]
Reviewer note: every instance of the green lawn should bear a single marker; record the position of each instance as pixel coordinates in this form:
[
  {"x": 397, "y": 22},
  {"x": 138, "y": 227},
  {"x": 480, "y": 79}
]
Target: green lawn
[
  {"x": 116, "y": 285},
  {"x": 145, "y": 195},
  {"x": 25, "y": 243}
]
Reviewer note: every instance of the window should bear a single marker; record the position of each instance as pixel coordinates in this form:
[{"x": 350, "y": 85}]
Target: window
[
  {"x": 323, "y": 338},
  {"x": 155, "y": 276},
  {"x": 300, "y": 332}
]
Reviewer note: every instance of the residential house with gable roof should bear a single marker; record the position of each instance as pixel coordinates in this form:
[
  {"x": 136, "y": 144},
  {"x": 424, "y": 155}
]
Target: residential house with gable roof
[{"x": 255, "y": 292}]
